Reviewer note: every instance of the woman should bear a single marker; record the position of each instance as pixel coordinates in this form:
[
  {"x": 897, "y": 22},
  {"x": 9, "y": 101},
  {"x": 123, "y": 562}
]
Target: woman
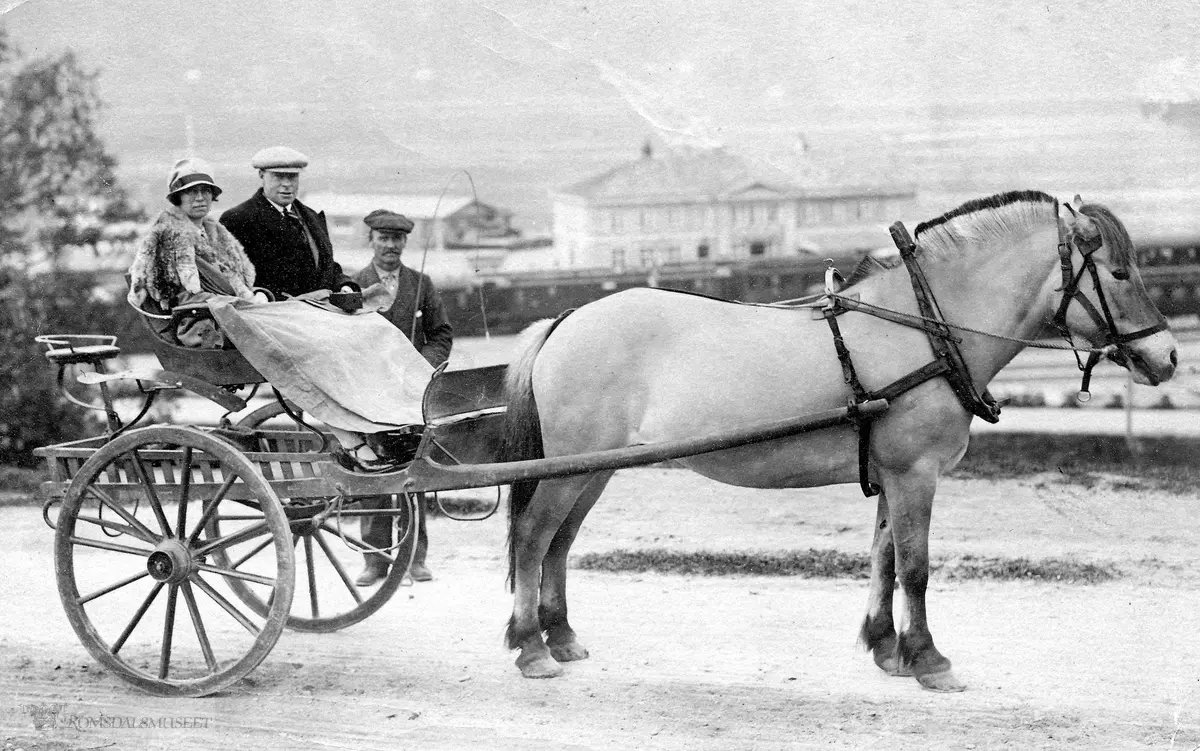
[{"x": 186, "y": 257}]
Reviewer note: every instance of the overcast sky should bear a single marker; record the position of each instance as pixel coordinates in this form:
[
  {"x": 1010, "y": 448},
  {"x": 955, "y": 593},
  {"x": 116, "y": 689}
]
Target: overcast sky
[{"x": 378, "y": 88}]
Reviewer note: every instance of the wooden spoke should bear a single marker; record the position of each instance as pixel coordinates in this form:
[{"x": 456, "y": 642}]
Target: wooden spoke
[
  {"x": 137, "y": 617},
  {"x": 337, "y": 566},
  {"x": 210, "y": 507},
  {"x": 112, "y": 587},
  {"x": 356, "y": 542},
  {"x": 144, "y": 532},
  {"x": 124, "y": 529},
  {"x": 114, "y": 547},
  {"x": 242, "y": 535},
  {"x": 253, "y": 552},
  {"x": 151, "y": 494},
  {"x": 225, "y": 604},
  {"x": 189, "y": 598},
  {"x": 185, "y": 485},
  {"x": 312, "y": 577},
  {"x": 164, "y": 659},
  {"x": 237, "y": 574}
]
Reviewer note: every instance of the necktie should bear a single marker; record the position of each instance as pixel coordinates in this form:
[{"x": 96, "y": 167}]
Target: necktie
[
  {"x": 297, "y": 224},
  {"x": 390, "y": 283}
]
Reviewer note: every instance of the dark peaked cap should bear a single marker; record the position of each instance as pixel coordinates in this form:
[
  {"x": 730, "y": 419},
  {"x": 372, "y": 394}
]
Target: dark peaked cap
[{"x": 382, "y": 219}]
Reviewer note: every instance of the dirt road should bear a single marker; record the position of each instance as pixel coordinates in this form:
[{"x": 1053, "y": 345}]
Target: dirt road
[{"x": 687, "y": 662}]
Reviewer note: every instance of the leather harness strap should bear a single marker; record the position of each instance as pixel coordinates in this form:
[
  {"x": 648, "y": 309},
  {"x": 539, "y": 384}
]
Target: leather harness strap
[{"x": 948, "y": 360}]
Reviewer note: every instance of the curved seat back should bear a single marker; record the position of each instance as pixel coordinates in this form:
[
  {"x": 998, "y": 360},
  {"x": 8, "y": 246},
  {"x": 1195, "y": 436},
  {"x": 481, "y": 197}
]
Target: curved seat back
[
  {"x": 220, "y": 367},
  {"x": 455, "y": 392}
]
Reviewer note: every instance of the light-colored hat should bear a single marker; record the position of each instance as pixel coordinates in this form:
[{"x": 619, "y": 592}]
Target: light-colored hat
[
  {"x": 189, "y": 172},
  {"x": 382, "y": 219},
  {"x": 279, "y": 159}
]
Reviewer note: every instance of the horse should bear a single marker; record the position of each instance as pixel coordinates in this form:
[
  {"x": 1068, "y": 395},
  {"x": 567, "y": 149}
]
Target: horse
[{"x": 645, "y": 365}]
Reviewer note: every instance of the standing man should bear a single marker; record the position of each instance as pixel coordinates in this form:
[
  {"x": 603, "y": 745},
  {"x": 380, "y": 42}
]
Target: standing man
[
  {"x": 412, "y": 304},
  {"x": 287, "y": 242}
]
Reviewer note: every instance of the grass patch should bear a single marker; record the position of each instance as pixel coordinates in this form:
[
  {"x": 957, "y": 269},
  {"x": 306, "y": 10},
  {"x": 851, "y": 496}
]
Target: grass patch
[
  {"x": 835, "y": 564},
  {"x": 810, "y": 564},
  {"x": 971, "y": 567}
]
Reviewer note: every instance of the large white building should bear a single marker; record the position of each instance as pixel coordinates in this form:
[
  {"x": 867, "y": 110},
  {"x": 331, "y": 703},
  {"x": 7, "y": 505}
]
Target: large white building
[{"x": 687, "y": 205}]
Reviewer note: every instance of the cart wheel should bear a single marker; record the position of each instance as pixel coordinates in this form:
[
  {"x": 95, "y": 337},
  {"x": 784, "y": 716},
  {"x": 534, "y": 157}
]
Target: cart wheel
[
  {"x": 328, "y": 551},
  {"x": 266, "y": 412},
  {"x": 128, "y": 544}
]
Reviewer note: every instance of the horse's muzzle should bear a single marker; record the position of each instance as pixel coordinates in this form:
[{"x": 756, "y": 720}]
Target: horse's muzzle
[{"x": 1145, "y": 368}]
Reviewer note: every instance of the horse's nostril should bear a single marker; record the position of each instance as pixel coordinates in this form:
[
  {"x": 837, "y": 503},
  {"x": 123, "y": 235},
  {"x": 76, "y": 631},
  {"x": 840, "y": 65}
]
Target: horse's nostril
[{"x": 1174, "y": 357}]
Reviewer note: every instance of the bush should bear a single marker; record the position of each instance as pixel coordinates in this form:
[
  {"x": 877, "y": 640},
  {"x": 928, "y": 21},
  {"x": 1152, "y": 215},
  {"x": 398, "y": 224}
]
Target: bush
[{"x": 33, "y": 412}]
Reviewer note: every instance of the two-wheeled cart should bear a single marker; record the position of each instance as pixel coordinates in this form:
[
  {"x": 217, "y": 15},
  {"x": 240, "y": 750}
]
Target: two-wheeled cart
[{"x": 182, "y": 552}]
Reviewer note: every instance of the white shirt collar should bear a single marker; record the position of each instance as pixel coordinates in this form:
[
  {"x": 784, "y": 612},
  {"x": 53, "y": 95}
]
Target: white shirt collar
[{"x": 395, "y": 273}]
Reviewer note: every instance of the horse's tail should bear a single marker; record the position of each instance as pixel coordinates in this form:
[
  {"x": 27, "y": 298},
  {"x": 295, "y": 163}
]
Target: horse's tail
[{"x": 522, "y": 425}]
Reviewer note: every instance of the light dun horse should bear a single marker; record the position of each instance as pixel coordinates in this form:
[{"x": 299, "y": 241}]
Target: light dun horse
[{"x": 645, "y": 366}]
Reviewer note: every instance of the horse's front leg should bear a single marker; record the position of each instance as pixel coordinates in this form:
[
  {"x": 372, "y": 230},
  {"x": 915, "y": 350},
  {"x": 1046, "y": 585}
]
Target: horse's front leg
[
  {"x": 910, "y": 508},
  {"x": 879, "y": 629}
]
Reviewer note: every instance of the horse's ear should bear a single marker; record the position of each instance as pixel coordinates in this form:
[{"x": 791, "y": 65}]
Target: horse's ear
[{"x": 1076, "y": 202}]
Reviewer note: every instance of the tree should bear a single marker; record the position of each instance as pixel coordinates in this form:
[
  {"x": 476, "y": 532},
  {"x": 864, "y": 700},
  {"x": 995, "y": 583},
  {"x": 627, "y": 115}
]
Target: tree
[{"x": 57, "y": 189}]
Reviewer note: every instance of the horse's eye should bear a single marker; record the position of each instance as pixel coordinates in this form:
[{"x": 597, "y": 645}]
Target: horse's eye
[{"x": 1121, "y": 275}]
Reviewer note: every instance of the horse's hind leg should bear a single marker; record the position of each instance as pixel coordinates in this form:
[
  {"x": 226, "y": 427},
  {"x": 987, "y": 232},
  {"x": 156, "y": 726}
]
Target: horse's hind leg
[
  {"x": 879, "y": 629},
  {"x": 910, "y": 507},
  {"x": 532, "y": 534},
  {"x": 552, "y": 610}
]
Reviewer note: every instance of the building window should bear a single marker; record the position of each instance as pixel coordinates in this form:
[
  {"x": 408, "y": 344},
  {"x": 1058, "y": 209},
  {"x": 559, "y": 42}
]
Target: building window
[
  {"x": 702, "y": 249},
  {"x": 618, "y": 259},
  {"x": 649, "y": 257},
  {"x": 673, "y": 255},
  {"x": 758, "y": 248}
]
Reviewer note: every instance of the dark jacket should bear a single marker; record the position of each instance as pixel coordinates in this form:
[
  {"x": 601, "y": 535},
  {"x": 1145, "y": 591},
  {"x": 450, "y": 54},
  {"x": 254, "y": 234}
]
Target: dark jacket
[
  {"x": 281, "y": 264},
  {"x": 434, "y": 335}
]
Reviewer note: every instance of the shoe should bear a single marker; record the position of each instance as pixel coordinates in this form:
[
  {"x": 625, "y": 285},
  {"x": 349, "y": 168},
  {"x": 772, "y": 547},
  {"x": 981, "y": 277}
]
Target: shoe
[
  {"x": 348, "y": 459},
  {"x": 419, "y": 573},
  {"x": 371, "y": 575}
]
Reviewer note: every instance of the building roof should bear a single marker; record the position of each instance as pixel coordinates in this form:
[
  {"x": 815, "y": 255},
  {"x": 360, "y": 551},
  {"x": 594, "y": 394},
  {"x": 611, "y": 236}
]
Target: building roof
[
  {"x": 681, "y": 174},
  {"x": 412, "y": 206}
]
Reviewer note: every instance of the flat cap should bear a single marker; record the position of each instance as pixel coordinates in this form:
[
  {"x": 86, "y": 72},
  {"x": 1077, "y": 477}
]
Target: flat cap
[
  {"x": 279, "y": 159},
  {"x": 388, "y": 220}
]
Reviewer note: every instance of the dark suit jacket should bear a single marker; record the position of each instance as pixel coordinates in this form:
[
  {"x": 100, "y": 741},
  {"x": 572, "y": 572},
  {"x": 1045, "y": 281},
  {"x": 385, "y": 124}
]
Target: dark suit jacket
[
  {"x": 434, "y": 335},
  {"x": 279, "y": 265}
]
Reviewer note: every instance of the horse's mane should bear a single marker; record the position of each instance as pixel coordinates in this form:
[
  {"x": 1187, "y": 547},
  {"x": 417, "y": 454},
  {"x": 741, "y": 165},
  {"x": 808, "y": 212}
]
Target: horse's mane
[{"x": 979, "y": 218}]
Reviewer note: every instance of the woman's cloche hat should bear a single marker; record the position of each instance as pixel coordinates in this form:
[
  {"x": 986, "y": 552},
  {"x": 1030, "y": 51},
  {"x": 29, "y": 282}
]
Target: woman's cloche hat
[{"x": 189, "y": 172}]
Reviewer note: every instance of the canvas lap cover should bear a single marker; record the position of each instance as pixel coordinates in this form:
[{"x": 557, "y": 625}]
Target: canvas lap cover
[{"x": 354, "y": 372}]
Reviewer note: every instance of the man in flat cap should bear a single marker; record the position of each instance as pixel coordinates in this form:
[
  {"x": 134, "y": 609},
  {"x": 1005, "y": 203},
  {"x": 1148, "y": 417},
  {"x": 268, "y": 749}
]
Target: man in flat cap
[
  {"x": 410, "y": 301},
  {"x": 287, "y": 242}
]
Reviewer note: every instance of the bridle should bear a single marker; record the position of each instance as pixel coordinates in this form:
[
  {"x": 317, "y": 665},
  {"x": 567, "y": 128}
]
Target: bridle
[
  {"x": 1114, "y": 341},
  {"x": 948, "y": 361}
]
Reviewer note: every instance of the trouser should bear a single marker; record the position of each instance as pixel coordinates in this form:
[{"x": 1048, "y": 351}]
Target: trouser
[{"x": 377, "y": 530}]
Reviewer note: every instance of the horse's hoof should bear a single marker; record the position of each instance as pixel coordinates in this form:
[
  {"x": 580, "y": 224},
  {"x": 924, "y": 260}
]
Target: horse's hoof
[
  {"x": 943, "y": 682},
  {"x": 569, "y": 652},
  {"x": 540, "y": 667},
  {"x": 891, "y": 665}
]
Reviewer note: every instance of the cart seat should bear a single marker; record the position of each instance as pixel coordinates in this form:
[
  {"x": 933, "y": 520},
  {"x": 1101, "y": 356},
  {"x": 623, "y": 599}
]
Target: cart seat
[
  {"x": 220, "y": 367},
  {"x": 71, "y": 349}
]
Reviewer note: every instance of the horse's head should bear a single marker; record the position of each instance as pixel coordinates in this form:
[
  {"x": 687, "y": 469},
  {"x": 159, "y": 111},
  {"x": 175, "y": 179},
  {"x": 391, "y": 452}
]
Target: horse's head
[{"x": 1103, "y": 299}]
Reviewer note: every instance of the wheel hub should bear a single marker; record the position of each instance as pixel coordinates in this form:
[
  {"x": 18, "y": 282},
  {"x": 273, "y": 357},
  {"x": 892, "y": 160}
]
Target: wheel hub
[{"x": 170, "y": 562}]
